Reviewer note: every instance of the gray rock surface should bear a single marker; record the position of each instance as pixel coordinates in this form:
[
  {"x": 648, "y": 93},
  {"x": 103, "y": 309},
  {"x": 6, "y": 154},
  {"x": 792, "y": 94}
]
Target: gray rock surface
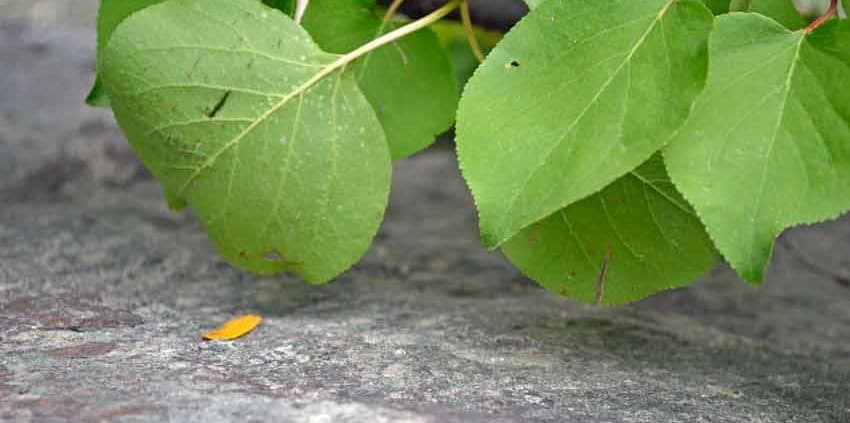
[{"x": 104, "y": 295}]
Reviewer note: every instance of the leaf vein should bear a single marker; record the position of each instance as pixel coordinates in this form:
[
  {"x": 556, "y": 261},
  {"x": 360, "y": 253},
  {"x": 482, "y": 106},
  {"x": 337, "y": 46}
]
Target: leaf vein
[{"x": 230, "y": 50}]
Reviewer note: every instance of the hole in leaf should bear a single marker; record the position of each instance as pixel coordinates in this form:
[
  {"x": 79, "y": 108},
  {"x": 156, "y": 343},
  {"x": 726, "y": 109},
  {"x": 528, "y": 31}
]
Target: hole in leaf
[{"x": 273, "y": 256}]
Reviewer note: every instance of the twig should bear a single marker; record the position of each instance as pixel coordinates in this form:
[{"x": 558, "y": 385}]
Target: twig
[
  {"x": 470, "y": 31},
  {"x": 833, "y": 9}
]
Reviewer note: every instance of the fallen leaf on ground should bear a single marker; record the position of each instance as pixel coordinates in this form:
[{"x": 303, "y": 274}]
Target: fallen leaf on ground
[{"x": 234, "y": 328}]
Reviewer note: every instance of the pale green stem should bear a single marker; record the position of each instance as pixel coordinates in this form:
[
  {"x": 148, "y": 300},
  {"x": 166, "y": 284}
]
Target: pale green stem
[
  {"x": 470, "y": 31},
  {"x": 394, "y": 6},
  {"x": 300, "y": 8}
]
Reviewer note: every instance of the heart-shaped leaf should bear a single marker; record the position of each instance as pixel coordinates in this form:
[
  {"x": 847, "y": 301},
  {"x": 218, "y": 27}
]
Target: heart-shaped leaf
[
  {"x": 236, "y": 111},
  {"x": 768, "y": 143},
  {"x": 576, "y": 95}
]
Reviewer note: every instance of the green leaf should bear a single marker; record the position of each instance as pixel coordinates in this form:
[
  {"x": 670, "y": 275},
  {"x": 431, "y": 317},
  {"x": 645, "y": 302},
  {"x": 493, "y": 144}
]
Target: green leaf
[
  {"x": 718, "y": 7},
  {"x": 768, "y": 143},
  {"x": 782, "y": 11},
  {"x": 740, "y": 5},
  {"x": 224, "y": 102},
  {"x": 454, "y": 39},
  {"x": 651, "y": 237},
  {"x": 97, "y": 97},
  {"x": 532, "y": 4},
  {"x": 410, "y": 83},
  {"x": 109, "y": 16},
  {"x": 286, "y": 6},
  {"x": 577, "y": 94}
]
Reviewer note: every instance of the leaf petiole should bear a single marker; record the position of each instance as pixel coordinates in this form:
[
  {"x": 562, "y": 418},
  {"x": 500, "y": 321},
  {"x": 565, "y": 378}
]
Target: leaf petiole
[
  {"x": 300, "y": 8},
  {"x": 832, "y": 10},
  {"x": 470, "y": 32},
  {"x": 387, "y": 38},
  {"x": 391, "y": 11}
]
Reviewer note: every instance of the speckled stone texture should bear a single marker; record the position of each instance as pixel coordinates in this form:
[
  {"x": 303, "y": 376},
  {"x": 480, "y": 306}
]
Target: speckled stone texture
[{"x": 104, "y": 294}]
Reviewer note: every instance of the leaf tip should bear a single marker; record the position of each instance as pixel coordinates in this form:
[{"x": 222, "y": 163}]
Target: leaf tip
[
  {"x": 490, "y": 240},
  {"x": 97, "y": 96}
]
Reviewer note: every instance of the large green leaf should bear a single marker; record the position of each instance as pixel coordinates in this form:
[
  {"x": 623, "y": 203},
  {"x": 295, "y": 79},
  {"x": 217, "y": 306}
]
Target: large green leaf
[
  {"x": 651, "y": 237},
  {"x": 577, "y": 94},
  {"x": 782, "y": 11},
  {"x": 410, "y": 83},
  {"x": 109, "y": 16},
  {"x": 768, "y": 143},
  {"x": 223, "y": 100},
  {"x": 718, "y": 7}
]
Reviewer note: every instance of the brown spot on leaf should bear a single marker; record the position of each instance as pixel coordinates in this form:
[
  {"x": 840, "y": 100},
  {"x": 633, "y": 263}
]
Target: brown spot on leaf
[{"x": 535, "y": 237}]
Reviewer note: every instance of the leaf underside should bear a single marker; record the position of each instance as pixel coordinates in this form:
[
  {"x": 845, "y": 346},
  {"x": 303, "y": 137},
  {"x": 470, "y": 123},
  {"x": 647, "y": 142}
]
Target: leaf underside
[
  {"x": 649, "y": 234},
  {"x": 768, "y": 143},
  {"x": 284, "y": 175},
  {"x": 577, "y": 94}
]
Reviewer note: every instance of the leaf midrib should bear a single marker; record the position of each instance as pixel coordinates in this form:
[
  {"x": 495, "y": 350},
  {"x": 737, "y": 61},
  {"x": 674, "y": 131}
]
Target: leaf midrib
[
  {"x": 763, "y": 179},
  {"x": 299, "y": 90}
]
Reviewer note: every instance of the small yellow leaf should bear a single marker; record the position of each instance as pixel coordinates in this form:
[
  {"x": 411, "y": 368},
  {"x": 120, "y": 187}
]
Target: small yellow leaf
[{"x": 234, "y": 328}]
